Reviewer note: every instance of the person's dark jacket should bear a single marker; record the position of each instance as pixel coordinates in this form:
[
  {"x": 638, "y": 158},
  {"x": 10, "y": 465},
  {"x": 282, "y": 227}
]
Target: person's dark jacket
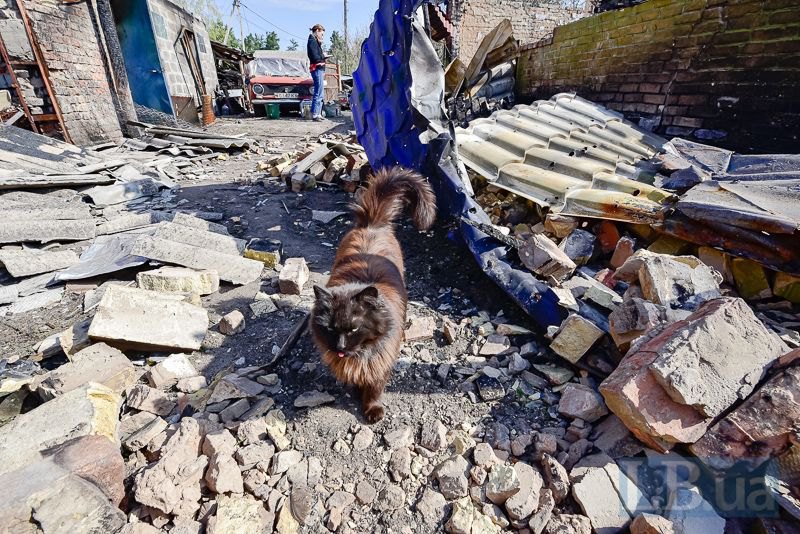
[{"x": 315, "y": 53}]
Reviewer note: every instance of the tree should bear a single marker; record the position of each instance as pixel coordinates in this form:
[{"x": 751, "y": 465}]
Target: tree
[
  {"x": 272, "y": 42},
  {"x": 350, "y": 55},
  {"x": 337, "y": 46},
  {"x": 217, "y": 31},
  {"x": 292, "y": 45},
  {"x": 267, "y": 41}
]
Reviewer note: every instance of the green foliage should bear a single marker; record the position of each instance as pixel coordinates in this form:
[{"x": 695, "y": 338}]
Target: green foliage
[
  {"x": 267, "y": 41},
  {"x": 348, "y": 56},
  {"x": 293, "y": 45},
  {"x": 217, "y": 31}
]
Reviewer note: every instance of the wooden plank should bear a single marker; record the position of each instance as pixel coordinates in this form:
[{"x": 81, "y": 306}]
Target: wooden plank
[
  {"x": 67, "y": 180},
  {"x": 47, "y": 117}
]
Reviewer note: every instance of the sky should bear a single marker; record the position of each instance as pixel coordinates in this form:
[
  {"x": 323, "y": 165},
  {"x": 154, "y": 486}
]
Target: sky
[{"x": 291, "y": 19}]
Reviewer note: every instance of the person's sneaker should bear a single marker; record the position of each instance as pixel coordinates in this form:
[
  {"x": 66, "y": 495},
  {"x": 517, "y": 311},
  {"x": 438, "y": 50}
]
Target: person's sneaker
[{"x": 318, "y": 118}]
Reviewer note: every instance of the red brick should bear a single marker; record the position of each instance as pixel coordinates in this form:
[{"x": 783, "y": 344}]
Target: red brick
[{"x": 653, "y": 99}]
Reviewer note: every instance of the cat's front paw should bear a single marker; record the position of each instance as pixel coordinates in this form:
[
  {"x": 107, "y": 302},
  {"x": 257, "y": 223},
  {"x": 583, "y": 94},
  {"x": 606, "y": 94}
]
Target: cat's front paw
[{"x": 374, "y": 413}]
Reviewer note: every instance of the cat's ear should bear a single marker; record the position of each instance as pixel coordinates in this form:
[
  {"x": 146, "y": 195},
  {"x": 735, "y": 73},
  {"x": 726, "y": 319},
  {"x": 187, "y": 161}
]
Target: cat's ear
[
  {"x": 323, "y": 295},
  {"x": 369, "y": 295}
]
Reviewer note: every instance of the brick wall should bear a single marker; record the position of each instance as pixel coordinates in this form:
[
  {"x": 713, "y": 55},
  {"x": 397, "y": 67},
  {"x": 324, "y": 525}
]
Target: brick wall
[
  {"x": 68, "y": 38},
  {"x": 532, "y": 20},
  {"x": 724, "y": 72}
]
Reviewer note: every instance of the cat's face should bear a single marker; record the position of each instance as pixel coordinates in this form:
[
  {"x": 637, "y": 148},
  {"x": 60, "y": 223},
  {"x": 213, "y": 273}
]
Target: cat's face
[{"x": 349, "y": 320}]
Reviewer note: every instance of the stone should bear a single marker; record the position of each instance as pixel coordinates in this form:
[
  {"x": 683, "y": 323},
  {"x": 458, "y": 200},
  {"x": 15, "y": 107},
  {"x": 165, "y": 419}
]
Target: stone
[
  {"x": 544, "y": 512},
  {"x": 192, "y": 384},
  {"x": 606, "y": 495},
  {"x": 169, "y": 279},
  {"x": 433, "y": 436},
  {"x": 689, "y": 513},
  {"x": 252, "y": 431},
  {"x": 239, "y": 514},
  {"x": 47, "y": 497},
  {"x": 672, "y": 281},
  {"x": 172, "y": 484},
  {"x": 390, "y": 498},
  {"x": 489, "y": 388},
  {"x": 670, "y": 388},
  {"x": 767, "y": 418},
  {"x": 148, "y": 320},
  {"x": 98, "y": 363},
  {"x": 433, "y": 508},
  {"x": 461, "y": 519},
  {"x": 478, "y": 475},
  {"x": 669, "y": 245},
  {"x": 495, "y": 344},
  {"x": 287, "y": 523},
  {"x": 578, "y": 246},
  {"x": 145, "y": 398},
  {"x": 569, "y": 524},
  {"x": 484, "y": 456},
  {"x": 502, "y": 484},
  {"x": 575, "y": 337},
  {"x": 219, "y": 442},
  {"x": 232, "y": 323},
  {"x": 234, "y": 387},
  {"x": 482, "y": 524},
  {"x": 554, "y": 374},
  {"x": 365, "y": 492},
  {"x": 787, "y": 286},
  {"x": 633, "y": 319},
  {"x": 293, "y": 276},
  {"x": 132, "y": 423},
  {"x": 495, "y": 514},
  {"x": 521, "y": 443},
  {"x": 169, "y": 371},
  {"x": 420, "y": 328},
  {"x": 363, "y": 439},
  {"x": 751, "y": 279},
  {"x": 400, "y": 464},
  {"x": 523, "y": 503},
  {"x": 543, "y": 257},
  {"x": 95, "y": 459},
  {"x": 517, "y": 364},
  {"x": 283, "y": 460},
  {"x": 311, "y": 399},
  {"x": 452, "y": 477},
  {"x": 259, "y": 408},
  {"x": 505, "y": 329},
  {"x": 145, "y": 435},
  {"x": 252, "y": 455},
  {"x": 560, "y": 225},
  {"x": 626, "y": 246},
  {"x": 581, "y": 402},
  {"x": 546, "y": 443},
  {"x": 613, "y": 438},
  {"x": 262, "y": 307},
  {"x": 402, "y": 437},
  {"x": 276, "y": 429},
  {"x": 460, "y": 441},
  {"x": 223, "y": 474},
  {"x": 718, "y": 357},
  {"x": 89, "y": 410},
  {"x": 652, "y": 524},
  {"x": 450, "y": 331},
  {"x": 718, "y": 260},
  {"x": 557, "y": 478}
]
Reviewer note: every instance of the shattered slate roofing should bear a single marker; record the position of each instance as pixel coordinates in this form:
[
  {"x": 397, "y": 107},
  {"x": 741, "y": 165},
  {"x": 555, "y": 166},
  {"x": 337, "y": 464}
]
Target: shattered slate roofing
[{"x": 569, "y": 155}]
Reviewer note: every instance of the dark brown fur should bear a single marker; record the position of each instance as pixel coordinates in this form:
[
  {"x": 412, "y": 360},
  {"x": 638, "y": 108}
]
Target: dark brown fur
[{"x": 362, "y": 311}]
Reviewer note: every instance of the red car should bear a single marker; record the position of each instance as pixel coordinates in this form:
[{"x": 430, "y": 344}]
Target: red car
[{"x": 279, "y": 77}]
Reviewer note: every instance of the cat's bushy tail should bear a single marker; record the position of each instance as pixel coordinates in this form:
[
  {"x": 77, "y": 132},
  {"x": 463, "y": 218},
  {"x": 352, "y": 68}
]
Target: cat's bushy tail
[{"x": 390, "y": 190}]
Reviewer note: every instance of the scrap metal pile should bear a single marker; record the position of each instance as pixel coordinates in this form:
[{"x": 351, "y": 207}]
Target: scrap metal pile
[{"x": 666, "y": 272}]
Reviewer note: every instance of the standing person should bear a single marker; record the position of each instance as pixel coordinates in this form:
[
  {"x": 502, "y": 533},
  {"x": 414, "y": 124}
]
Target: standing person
[{"x": 316, "y": 58}]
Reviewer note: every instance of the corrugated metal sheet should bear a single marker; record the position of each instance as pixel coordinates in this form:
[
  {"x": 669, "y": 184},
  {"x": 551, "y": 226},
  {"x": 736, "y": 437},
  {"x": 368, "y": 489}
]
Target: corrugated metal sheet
[{"x": 569, "y": 155}]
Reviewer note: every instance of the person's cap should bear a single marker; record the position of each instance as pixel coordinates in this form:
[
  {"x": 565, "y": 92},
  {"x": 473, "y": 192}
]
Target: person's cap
[{"x": 316, "y": 27}]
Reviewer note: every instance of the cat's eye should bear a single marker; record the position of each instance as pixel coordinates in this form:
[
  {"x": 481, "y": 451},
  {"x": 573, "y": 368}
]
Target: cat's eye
[{"x": 355, "y": 329}]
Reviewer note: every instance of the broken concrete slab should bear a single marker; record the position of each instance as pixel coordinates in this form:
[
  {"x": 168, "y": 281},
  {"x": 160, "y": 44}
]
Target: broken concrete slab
[
  {"x": 86, "y": 411},
  {"x": 230, "y": 268},
  {"x": 581, "y": 402},
  {"x": 137, "y": 318},
  {"x": 762, "y": 427},
  {"x": 169, "y": 371},
  {"x": 670, "y": 388},
  {"x": 717, "y": 356},
  {"x": 543, "y": 257},
  {"x": 33, "y": 302},
  {"x": 172, "y": 484},
  {"x": 97, "y": 363},
  {"x": 234, "y": 387},
  {"x": 21, "y": 263},
  {"x": 147, "y": 399},
  {"x": 141, "y": 437},
  {"x": 633, "y": 319},
  {"x": 495, "y": 345},
  {"x": 293, "y": 276},
  {"x": 523, "y": 503},
  {"x": 179, "y": 280},
  {"x": 132, "y": 221},
  {"x": 420, "y": 328},
  {"x": 575, "y": 337},
  {"x": 186, "y": 219},
  {"x": 212, "y": 241},
  {"x": 46, "y": 230}
]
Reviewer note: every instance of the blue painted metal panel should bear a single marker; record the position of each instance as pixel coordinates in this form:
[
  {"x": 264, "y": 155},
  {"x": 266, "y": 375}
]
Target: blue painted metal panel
[{"x": 383, "y": 116}]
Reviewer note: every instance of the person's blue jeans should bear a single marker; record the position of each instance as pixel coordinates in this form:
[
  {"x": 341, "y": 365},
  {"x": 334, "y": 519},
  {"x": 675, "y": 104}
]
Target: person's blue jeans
[{"x": 319, "y": 79}]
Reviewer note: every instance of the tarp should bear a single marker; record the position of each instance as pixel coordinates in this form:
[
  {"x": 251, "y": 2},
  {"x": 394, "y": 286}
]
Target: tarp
[{"x": 268, "y": 63}]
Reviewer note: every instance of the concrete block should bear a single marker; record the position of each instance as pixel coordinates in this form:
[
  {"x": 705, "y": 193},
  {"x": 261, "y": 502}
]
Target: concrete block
[
  {"x": 168, "y": 372},
  {"x": 293, "y": 276},
  {"x": 575, "y": 338},
  {"x": 188, "y": 235},
  {"x": 543, "y": 257},
  {"x": 143, "y": 319},
  {"x": 179, "y": 280},
  {"x": 97, "y": 363}
]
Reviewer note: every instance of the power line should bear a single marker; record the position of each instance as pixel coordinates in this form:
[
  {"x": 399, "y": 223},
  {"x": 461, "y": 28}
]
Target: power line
[{"x": 269, "y": 22}]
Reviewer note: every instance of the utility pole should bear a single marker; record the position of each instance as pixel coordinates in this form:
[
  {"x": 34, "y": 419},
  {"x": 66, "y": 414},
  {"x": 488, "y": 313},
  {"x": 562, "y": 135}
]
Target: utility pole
[
  {"x": 238, "y": 7},
  {"x": 346, "y": 40}
]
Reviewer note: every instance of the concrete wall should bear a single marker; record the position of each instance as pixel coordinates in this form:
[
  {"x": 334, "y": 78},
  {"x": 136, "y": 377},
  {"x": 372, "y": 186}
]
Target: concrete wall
[
  {"x": 532, "y": 20},
  {"x": 168, "y": 19},
  {"x": 68, "y": 37},
  {"x": 724, "y": 72}
]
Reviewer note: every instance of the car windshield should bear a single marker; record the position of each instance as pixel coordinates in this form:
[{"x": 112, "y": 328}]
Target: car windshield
[{"x": 275, "y": 66}]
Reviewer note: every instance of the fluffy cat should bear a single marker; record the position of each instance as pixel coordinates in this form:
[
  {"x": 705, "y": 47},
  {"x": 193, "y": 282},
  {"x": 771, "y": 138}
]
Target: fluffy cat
[{"x": 358, "y": 319}]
